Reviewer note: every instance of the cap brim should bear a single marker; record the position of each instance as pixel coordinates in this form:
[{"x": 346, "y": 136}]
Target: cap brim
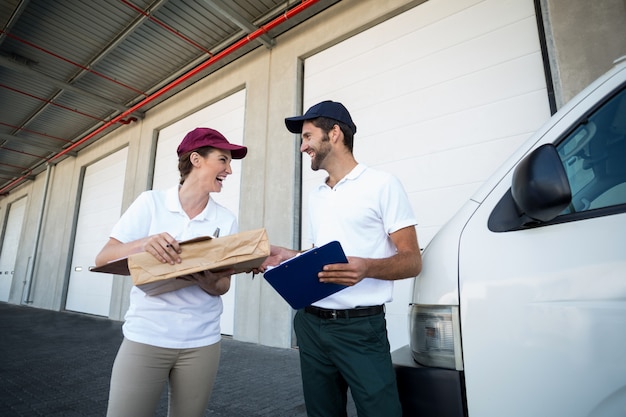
[
  {"x": 239, "y": 152},
  {"x": 236, "y": 151},
  {"x": 294, "y": 124}
]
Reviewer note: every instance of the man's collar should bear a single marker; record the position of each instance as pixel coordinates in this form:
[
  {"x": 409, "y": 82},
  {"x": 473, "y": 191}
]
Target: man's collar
[{"x": 352, "y": 175}]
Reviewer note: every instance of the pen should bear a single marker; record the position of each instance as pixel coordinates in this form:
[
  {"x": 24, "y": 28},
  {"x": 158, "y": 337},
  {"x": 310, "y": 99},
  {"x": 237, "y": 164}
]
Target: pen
[{"x": 217, "y": 232}]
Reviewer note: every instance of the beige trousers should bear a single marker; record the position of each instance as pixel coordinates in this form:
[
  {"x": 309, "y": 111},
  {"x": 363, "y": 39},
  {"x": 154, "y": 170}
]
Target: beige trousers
[{"x": 141, "y": 371}]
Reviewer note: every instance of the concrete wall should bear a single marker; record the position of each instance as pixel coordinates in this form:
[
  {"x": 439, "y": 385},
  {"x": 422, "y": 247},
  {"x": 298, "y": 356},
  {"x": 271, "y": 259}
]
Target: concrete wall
[{"x": 583, "y": 40}]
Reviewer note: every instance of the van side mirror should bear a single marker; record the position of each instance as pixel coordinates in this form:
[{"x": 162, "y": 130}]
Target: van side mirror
[
  {"x": 540, "y": 187},
  {"x": 539, "y": 192}
]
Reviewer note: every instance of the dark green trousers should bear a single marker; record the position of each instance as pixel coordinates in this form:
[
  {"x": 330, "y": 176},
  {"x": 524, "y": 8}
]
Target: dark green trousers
[{"x": 342, "y": 353}]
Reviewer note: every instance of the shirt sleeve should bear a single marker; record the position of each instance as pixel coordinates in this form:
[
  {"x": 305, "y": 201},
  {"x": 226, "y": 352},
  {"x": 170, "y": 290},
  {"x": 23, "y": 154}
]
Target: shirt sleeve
[
  {"x": 396, "y": 209},
  {"x": 135, "y": 222}
]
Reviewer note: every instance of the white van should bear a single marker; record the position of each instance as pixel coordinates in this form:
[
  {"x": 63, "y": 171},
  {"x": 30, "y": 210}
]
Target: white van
[{"x": 520, "y": 309}]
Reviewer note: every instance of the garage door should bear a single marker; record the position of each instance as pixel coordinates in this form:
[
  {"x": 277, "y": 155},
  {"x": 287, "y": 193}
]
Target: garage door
[
  {"x": 100, "y": 208},
  {"x": 227, "y": 117},
  {"x": 10, "y": 243},
  {"x": 441, "y": 95}
]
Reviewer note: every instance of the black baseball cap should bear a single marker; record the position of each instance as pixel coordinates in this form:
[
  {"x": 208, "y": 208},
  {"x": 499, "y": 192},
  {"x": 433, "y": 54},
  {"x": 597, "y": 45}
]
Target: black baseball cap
[{"x": 331, "y": 109}]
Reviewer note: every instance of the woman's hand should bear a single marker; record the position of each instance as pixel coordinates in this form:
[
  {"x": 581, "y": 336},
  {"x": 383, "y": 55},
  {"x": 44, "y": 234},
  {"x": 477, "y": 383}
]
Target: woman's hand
[
  {"x": 214, "y": 283},
  {"x": 163, "y": 247}
]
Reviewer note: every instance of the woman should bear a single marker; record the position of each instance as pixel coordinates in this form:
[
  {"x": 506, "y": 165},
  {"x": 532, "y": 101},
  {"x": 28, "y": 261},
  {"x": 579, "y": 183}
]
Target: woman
[{"x": 173, "y": 337}]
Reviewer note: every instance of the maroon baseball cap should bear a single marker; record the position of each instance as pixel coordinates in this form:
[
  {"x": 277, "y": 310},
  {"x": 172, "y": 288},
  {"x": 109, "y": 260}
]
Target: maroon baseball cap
[{"x": 204, "y": 136}]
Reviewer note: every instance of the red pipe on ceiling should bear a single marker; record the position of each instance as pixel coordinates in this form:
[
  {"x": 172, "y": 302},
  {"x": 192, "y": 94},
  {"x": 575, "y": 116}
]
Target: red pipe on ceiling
[{"x": 305, "y": 4}]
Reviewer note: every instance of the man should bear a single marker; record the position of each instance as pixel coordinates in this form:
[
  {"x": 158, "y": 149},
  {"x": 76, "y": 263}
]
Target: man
[{"x": 342, "y": 338}]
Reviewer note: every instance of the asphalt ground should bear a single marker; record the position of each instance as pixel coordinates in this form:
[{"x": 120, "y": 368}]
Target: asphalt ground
[{"x": 56, "y": 364}]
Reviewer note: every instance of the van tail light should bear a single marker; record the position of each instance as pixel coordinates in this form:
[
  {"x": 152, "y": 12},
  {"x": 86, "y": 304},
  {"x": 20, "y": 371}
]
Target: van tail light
[{"x": 436, "y": 336}]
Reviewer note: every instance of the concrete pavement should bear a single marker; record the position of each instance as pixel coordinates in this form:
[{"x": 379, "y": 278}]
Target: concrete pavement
[{"x": 56, "y": 364}]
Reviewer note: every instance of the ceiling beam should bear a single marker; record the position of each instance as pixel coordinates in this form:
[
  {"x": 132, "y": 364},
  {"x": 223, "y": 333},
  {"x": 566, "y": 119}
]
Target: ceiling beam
[
  {"x": 228, "y": 12},
  {"x": 17, "y": 12}
]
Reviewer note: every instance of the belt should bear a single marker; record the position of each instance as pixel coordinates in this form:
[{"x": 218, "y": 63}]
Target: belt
[{"x": 328, "y": 314}]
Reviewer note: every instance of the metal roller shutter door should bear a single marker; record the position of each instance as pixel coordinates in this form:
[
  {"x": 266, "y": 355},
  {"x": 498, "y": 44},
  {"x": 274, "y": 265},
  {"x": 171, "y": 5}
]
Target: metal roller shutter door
[
  {"x": 100, "y": 208},
  {"x": 441, "y": 95}
]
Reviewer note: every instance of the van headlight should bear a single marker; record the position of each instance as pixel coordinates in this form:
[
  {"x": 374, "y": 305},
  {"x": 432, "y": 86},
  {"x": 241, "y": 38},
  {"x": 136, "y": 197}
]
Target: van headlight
[{"x": 436, "y": 336}]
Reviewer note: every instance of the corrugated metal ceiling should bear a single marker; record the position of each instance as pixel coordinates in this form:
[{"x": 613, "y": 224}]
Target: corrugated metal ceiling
[{"x": 72, "y": 70}]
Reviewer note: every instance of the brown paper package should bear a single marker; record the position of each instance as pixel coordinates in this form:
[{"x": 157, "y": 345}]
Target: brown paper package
[{"x": 240, "y": 251}]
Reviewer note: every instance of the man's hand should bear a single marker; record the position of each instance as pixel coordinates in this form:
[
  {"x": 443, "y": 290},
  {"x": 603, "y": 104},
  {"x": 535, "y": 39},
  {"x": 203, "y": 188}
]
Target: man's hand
[
  {"x": 345, "y": 274},
  {"x": 277, "y": 255}
]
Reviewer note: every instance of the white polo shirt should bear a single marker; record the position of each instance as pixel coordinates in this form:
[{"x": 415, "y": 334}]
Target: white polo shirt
[
  {"x": 360, "y": 212},
  {"x": 188, "y": 317}
]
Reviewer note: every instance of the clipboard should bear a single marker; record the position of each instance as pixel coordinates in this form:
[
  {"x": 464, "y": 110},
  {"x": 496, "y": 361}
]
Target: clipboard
[{"x": 296, "y": 279}]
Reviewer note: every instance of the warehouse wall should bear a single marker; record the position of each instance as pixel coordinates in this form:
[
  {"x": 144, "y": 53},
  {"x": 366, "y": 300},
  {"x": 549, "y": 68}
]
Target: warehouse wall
[{"x": 583, "y": 38}]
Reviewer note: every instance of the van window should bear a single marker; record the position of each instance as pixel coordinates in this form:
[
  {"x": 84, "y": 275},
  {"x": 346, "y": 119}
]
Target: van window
[{"x": 594, "y": 157}]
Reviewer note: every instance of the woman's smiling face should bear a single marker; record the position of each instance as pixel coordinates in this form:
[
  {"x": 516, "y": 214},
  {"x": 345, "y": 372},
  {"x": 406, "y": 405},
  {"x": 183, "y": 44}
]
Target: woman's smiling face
[{"x": 213, "y": 169}]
